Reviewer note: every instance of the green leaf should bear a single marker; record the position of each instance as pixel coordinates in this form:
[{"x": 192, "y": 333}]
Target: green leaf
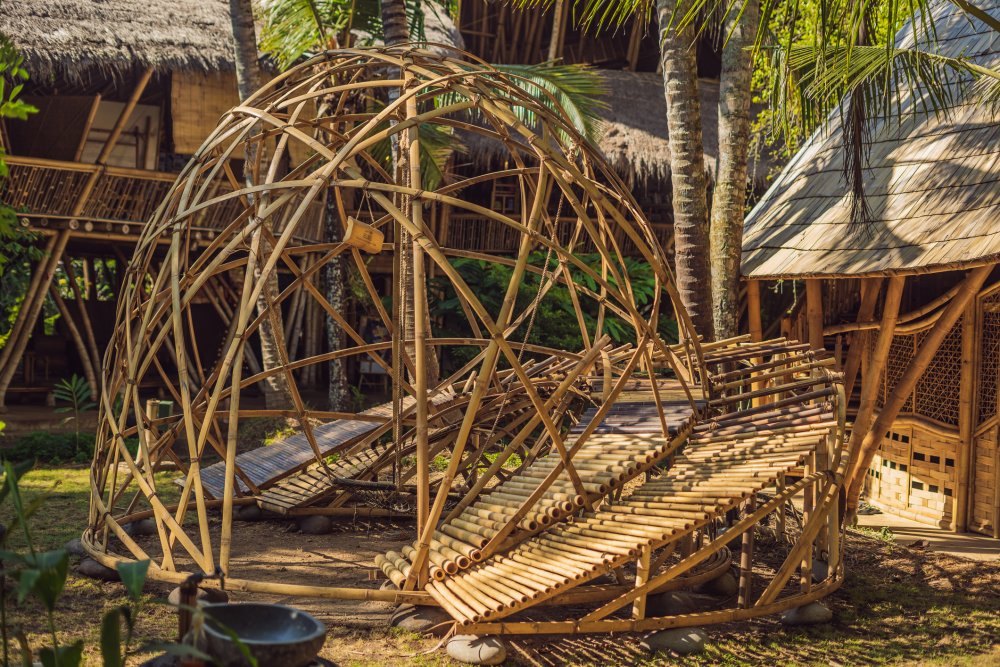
[
  {"x": 64, "y": 656},
  {"x": 133, "y": 575},
  {"x": 26, "y": 582},
  {"x": 52, "y": 567},
  {"x": 111, "y": 639}
]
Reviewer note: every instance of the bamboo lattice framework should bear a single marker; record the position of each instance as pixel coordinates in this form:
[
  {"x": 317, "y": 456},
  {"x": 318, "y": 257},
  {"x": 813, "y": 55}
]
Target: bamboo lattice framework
[{"x": 733, "y": 419}]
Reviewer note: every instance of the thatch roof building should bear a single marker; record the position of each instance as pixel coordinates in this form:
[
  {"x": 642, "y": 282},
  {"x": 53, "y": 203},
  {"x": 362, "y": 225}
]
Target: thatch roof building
[
  {"x": 633, "y": 133},
  {"x": 932, "y": 186},
  {"x": 69, "y": 37},
  {"x": 926, "y": 422}
]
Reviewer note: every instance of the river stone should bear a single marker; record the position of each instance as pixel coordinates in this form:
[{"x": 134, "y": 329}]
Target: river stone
[
  {"x": 315, "y": 525},
  {"x": 142, "y": 527},
  {"x": 204, "y": 596},
  {"x": 724, "y": 586},
  {"x": 75, "y": 547},
  {"x": 683, "y": 641},
  {"x": 421, "y": 619},
  {"x": 821, "y": 570},
  {"x": 473, "y": 650},
  {"x": 387, "y": 585},
  {"x": 810, "y": 614},
  {"x": 670, "y": 603},
  {"x": 89, "y": 567},
  {"x": 248, "y": 513}
]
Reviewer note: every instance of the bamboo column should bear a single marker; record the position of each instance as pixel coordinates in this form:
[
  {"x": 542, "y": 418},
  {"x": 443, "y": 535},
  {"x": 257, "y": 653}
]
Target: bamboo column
[
  {"x": 420, "y": 335},
  {"x": 966, "y": 418},
  {"x": 894, "y": 402},
  {"x": 873, "y": 372},
  {"x": 753, "y": 310},
  {"x": 870, "y": 288}
]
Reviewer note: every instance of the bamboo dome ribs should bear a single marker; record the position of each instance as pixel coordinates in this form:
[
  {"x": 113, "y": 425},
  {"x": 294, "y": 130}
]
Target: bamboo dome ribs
[{"x": 534, "y": 471}]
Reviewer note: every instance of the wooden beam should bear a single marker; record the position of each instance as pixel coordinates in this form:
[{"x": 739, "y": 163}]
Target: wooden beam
[
  {"x": 894, "y": 402},
  {"x": 814, "y": 312}
]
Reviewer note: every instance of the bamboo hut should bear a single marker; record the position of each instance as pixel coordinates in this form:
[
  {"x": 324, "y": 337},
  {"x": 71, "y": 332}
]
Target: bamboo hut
[
  {"x": 127, "y": 91},
  {"x": 911, "y": 310}
]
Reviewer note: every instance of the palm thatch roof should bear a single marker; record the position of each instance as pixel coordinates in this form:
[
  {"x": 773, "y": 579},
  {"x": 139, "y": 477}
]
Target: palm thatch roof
[
  {"x": 633, "y": 132},
  {"x": 70, "y": 37},
  {"x": 932, "y": 187}
]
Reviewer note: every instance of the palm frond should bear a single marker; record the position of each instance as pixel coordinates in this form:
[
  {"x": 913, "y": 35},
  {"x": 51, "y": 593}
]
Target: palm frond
[
  {"x": 292, "y": 29},
  {"x": 575, "y": 91}
]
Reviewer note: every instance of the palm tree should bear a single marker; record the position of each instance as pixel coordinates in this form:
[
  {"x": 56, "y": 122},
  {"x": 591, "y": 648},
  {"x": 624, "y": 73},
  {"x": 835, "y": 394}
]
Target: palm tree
[
  {"x": 248, "y": 79},
  {"x": 687, "y": 166}
]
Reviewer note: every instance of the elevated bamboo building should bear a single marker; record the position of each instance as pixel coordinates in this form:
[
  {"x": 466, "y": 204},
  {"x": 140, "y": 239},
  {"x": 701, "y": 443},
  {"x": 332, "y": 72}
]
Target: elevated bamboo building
[{"x": 910, "y": 310}]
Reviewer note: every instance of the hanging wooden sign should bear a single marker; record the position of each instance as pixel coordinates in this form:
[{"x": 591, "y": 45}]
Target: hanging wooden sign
[{"x": 363, "y": 236}]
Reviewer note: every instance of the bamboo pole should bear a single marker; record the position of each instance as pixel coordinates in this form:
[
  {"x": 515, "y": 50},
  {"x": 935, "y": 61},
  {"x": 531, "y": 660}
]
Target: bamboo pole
[
  {"x": 870, "y": 288},
  {"x": 872, "y": 378},
  {"x": 894, "y": 402},
  {"x": 966, "y": 419}
]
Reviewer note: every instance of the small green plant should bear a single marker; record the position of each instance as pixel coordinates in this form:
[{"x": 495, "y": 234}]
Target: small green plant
[{"x": 76, "y": 392}]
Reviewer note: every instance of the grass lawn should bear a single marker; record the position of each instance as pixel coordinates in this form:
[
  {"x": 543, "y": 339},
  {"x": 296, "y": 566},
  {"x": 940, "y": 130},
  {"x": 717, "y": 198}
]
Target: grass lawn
[{"x": 898, "y": 606}]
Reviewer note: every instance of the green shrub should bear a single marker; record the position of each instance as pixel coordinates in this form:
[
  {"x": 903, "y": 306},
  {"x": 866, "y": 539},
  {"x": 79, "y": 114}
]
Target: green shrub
[{"x": 50, "y": 447}]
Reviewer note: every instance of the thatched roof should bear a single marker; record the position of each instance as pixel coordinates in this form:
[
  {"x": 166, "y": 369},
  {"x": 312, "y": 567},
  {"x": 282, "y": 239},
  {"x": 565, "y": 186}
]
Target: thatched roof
[
  {"x": 633, "y": 134},
  {"x": 933, "y": 186},
  {"x": 69, "y": 37}
]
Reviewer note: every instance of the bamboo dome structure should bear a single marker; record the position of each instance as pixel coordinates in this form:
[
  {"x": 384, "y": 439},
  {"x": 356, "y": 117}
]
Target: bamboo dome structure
[{"x": 546, "y": 448}]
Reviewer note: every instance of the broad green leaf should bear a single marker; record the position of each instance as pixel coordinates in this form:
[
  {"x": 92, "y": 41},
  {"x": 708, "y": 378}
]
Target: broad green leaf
[
  {"x": 64, "y": 656},
  {"x": 133, "y": 575},
  {"x": 52, "y": 567},
  {"x": 111, "y": 639}
]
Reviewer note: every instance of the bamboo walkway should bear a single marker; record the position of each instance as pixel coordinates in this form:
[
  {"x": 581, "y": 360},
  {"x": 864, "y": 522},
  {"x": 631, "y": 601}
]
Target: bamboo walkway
[{"x": 265, "y": 466}]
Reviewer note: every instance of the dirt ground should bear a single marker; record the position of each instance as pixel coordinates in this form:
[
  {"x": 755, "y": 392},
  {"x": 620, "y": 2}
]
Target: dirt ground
[{"x": 899, "y": 606}]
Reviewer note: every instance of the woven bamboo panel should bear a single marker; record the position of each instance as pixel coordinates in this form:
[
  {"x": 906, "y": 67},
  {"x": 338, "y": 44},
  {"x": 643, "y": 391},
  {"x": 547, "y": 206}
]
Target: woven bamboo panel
[
  {"x": 936, "y": 393},
  {"x": 986, "y": 478},
  {"x": 915, "y": 474},
  {"x": 989, "y": 356}
]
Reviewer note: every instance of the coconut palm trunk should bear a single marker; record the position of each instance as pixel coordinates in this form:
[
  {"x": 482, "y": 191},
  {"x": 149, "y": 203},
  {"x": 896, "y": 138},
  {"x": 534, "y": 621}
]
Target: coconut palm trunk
[
  {"x": 396, "y": 30},
  {"x": 687, "y": 166},
  {"x": 729, "y": 196},
  {"x": 248, "y": 79}
]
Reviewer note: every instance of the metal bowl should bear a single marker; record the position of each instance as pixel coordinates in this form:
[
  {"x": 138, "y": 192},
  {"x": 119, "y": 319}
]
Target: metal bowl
[{"x": 273, "y": 633}]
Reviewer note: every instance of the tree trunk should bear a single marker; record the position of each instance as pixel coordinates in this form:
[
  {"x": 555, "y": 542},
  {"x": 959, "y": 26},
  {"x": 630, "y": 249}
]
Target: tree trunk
[
  {"x": 687, "y": 168},
  {"x": 334, "y": 287},
  {"x": 729, "y": 196},
  {"x": 248, "y": 80},
  {"x": 395, "y": 29}
]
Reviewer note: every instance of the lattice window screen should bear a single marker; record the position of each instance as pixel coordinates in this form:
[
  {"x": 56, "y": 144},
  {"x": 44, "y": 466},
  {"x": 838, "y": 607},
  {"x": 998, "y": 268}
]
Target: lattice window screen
[
  {"x": 936, "y": 393},
  {"x": 989, "y": 364},
  {"x": 938, "y": 388}
]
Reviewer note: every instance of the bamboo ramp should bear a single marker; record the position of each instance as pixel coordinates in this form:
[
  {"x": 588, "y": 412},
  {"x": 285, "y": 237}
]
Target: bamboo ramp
[
  {"x": 709, "y": 478},
  {"x": 266, "y": 465},
  {"x": 772, "y": 412}
]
